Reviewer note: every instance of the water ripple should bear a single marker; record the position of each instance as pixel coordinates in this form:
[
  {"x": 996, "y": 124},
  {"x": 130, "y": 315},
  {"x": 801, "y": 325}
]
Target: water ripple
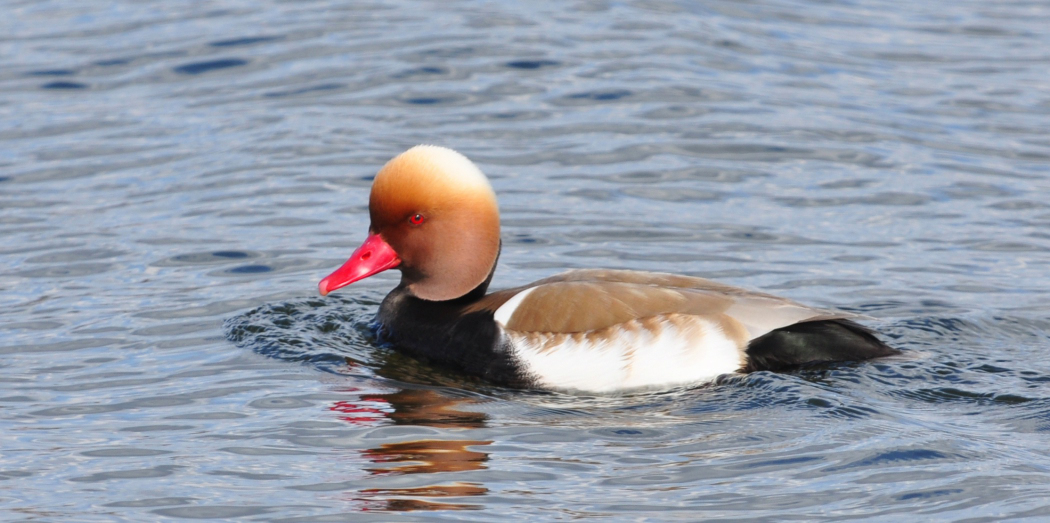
[{"x": 180, "y": 176}]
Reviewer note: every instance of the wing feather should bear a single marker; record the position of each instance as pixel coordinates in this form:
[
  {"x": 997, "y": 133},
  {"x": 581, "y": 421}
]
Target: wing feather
[{"x": 589, "y": 300}]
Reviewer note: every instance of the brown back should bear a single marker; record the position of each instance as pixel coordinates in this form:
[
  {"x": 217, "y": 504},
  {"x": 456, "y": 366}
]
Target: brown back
[{"x": 588, "y": 300}]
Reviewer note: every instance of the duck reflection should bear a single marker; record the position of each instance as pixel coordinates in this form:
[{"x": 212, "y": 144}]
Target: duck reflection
[
  {"x": 427, "y": 456},
  {"x": 430, "y": 408},
  {"x": 425, "y": 407}
]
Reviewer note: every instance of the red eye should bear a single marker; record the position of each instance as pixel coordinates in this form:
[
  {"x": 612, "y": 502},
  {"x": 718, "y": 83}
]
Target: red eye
[{"x": 416, "y": 219}]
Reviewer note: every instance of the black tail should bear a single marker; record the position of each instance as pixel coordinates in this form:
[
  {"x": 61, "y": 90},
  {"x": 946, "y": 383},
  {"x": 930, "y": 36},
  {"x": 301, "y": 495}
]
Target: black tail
[{"x": 814, "y": 342}]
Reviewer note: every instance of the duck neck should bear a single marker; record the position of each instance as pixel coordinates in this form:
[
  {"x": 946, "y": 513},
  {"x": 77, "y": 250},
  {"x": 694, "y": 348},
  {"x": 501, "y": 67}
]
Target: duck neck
[
  {"x": 470, "y": 297},
  {"x": 402, "y": 301},
  {"x": 478, "y": 292},
  {"x": 413, "y": 322}
]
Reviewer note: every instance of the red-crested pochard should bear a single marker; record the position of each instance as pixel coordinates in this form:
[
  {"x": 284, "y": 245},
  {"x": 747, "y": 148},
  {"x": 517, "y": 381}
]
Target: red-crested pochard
[{"x": 434, "y": 217}]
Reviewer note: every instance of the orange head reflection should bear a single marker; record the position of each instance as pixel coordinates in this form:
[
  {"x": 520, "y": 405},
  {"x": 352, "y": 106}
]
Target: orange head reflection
[
  {"x": 427, "y": 456},
  {"x": 430, "y": 456}
]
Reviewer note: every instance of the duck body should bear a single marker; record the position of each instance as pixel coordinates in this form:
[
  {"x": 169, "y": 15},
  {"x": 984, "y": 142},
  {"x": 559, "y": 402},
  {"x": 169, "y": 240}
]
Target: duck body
[
  {"x": 591, "y": 339},
  {"x": 434, "y": 217}
]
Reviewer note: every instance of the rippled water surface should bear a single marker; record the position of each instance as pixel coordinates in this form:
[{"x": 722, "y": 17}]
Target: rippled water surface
[{"x": 176, "y": 176}]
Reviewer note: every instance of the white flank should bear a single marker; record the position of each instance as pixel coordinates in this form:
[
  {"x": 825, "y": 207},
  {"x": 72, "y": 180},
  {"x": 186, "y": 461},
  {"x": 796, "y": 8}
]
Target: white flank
[
  {"x": 629, "y": 357},
  {"x": 506, "y": 311}
]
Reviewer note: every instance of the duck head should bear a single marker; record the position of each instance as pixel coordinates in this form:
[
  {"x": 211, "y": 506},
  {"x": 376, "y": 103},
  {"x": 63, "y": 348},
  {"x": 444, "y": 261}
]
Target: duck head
[{"x": 434, "y": 216}]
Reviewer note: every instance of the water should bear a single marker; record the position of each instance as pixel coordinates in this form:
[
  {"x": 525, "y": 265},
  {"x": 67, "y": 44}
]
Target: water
[{"x": 175, "y": 177}]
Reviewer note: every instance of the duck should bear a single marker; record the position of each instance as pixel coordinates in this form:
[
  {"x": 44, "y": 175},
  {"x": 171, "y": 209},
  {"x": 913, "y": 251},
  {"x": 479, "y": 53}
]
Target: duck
[{"x": 435, "y": 218}]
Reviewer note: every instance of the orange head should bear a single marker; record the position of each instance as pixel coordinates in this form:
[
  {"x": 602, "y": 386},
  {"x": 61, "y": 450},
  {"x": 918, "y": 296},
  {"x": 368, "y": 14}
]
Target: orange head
[{"x": 435, "y": 217}]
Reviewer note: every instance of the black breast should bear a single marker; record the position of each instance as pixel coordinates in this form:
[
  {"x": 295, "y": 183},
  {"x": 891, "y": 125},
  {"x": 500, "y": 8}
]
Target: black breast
[{"x": 442, "y": 333}]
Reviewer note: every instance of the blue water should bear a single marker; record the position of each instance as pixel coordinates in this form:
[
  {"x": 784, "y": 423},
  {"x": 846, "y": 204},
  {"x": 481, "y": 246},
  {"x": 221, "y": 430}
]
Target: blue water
[{"x": 175, "y": 177}]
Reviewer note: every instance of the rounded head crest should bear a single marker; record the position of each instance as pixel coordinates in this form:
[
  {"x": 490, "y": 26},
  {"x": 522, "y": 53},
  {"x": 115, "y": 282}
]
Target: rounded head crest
[{"x": 439, "y": 213}]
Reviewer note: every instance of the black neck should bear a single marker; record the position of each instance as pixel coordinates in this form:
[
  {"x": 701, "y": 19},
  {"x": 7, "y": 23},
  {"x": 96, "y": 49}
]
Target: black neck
[{"x": 441, "y": 332}]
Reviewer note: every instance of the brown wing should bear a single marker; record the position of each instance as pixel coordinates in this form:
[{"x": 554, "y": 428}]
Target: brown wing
[
  {"x": 658, "y": 279},
  {"x": 588, "y": 300}
]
